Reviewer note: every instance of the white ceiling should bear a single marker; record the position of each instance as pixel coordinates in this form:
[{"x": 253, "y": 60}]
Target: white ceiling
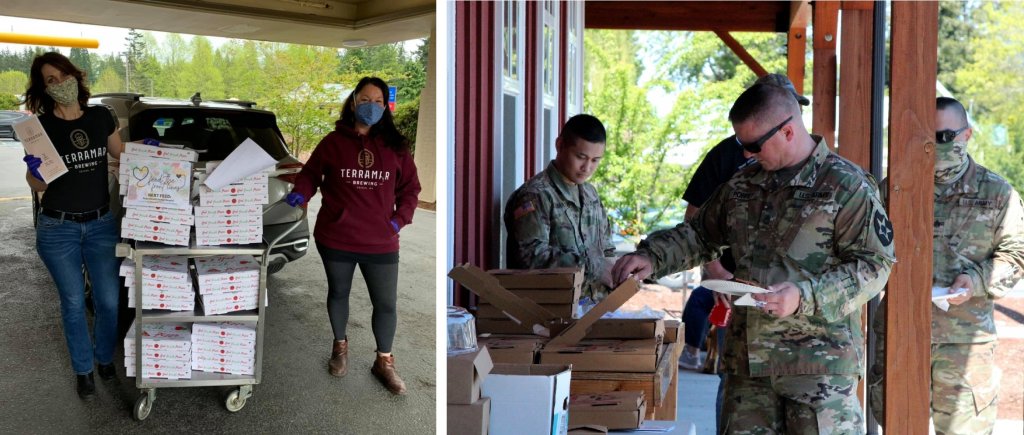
[{"x": 314, "y": 22}]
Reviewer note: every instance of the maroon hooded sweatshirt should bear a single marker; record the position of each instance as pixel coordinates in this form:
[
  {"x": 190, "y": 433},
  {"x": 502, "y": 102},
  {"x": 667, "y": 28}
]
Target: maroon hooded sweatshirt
[{"x": 365, "y": 184}]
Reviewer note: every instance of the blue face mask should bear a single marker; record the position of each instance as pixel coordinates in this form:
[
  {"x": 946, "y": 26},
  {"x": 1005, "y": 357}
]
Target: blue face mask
[{"x": 369, "y": 113}]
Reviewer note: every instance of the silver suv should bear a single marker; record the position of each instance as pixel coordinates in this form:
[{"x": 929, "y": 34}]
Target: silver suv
[{"x": 214, "y": 129}]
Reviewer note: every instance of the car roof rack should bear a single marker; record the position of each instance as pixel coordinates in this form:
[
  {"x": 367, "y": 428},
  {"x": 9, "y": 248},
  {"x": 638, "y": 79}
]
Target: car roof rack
[
  {"x": 132, "y": 95},
  {"x": 243, "y": 103}
]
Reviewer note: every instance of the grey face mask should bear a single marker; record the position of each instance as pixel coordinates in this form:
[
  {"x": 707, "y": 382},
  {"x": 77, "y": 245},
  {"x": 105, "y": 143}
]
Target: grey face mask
[{"x": 64, "y": 93}]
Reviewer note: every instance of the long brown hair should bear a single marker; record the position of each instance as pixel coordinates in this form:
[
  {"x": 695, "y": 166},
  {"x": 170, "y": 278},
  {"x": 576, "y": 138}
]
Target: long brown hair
[
  {"x": 385, "y": 127},
  {"x": 36, "y": 99}
]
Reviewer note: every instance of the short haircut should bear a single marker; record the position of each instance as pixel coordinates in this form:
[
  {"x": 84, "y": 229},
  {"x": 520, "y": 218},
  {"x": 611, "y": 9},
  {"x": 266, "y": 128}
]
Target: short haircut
[
  {"x": 951, "y": 104},
  {"x": 582, "y": 126},
  {"x": 762, "y": 103}
]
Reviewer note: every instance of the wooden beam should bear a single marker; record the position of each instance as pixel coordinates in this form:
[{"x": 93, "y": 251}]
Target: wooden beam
[
  {"x": 826, "y": 17},
  {"x": 796, "y": 42},
  {"x": 855, "y": 88},
  {"x": 911, "y": 161},
  {"x": 732, "y": 16},
  {"x": 742, "y": 53},
  {"x": 857, "y": 5}
]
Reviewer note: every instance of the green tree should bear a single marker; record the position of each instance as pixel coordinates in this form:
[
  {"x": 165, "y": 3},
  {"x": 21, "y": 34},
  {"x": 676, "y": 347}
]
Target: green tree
[
  {"x": 956, "y": 27},
  {"x": 108, "y": 81},
  {"x": 13, "y": 83},
  {"x": 295, "y": 78},
  {"x": 80, "y": 57},
  {"x": 9, "y": 102},
  {"x": 200, "y": 74}
]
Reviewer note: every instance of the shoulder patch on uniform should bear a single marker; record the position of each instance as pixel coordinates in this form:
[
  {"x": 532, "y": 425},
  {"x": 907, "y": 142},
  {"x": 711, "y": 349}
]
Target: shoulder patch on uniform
[
  {"x": 973, "y": 202},
  {"x": 883, "y": 228},
  {"x": 524, "y": 209},
  {"x": 805, "y": 194}
]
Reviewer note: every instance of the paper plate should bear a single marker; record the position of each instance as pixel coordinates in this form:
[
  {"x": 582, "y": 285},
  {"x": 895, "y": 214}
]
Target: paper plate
[
  {"x": 731, "y": 287},
  {"x": 941, "y": 293}
]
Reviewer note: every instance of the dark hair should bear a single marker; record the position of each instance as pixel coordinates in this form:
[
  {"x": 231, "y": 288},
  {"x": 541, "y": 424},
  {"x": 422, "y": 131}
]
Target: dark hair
[
  {"x": 582, "y": 126},
  {"x": 385, "y": 127},
  {"x": 762, "y": 102},
  {"x": 36, "y": 99},
  {"x": 946, "y": 103}
]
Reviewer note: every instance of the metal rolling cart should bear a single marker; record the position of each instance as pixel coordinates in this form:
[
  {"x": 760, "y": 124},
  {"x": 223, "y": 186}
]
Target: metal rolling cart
[{"x": 236, "y": 399}]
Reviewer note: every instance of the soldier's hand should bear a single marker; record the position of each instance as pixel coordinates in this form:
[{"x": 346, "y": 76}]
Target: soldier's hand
[
  {"x": 962, "y": 281},
  {"x": 637, "y": 265},
  {"x": 782, "y": 300}
]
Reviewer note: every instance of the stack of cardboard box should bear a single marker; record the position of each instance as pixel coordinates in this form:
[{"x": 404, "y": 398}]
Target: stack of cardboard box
[
  {"x": 233, "y": 214},
  {"x": 228, "y": 283},
  {"x": 162, "y": 214},
  {"x": 166, "y": 284},
  {"x": 166, "y": 351},
  {"x": 557, "y": 291},
  {"x": 468, "y": 411},
  {"x": 224, "y": 347}
]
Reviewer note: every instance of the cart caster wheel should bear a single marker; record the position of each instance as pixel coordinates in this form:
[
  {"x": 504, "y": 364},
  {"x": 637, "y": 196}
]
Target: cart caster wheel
[
  {"x": 142, "y": 407},
  {"x": 235, "y": 401}
]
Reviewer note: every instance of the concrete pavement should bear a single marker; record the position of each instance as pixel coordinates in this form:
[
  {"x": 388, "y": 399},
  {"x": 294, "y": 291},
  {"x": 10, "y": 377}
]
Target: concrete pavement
[{"x": 296, "y": 395}]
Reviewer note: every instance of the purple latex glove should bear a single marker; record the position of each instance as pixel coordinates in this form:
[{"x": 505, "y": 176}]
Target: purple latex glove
[
  {"x": 394, "y": 224},
  {"x": 33, "y": 163},
  {"x": 295, "y": 199}
]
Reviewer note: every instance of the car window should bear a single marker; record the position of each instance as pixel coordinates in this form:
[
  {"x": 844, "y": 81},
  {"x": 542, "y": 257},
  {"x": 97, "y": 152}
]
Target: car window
[{"x": 213, "y": 133}]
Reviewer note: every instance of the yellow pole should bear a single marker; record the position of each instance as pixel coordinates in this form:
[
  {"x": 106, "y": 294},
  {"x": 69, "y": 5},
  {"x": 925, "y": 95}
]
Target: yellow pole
[{"x": 56, "y": 41}]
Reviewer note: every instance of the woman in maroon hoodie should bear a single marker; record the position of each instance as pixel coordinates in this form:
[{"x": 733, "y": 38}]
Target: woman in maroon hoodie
[{"x": 367, "y": 177}]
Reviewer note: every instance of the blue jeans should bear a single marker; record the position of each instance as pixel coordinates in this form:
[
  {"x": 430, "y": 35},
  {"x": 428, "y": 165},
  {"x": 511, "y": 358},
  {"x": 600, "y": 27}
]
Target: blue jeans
[
  {"x": 695, "y": 316},
  {"x": 65, "y": 246}
]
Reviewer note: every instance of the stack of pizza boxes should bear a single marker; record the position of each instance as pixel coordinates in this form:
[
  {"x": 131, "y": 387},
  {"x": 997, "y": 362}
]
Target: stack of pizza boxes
[
  {"x": 233, "y": 214},
  {"x": 228, "y": 283},
  {"x": 155, "y": 182},
  {"x": 166, "y": 351},
  {"x": 224, "y": 347},
  {"x": 166, "y": 284}
]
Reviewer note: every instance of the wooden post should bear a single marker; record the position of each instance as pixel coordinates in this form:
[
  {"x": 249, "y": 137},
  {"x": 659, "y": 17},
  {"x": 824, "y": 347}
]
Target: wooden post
[
  {"x": 911, "y": 162},
  {"x": 826, "y": 18},
  {"x": 796, "y": 45}
]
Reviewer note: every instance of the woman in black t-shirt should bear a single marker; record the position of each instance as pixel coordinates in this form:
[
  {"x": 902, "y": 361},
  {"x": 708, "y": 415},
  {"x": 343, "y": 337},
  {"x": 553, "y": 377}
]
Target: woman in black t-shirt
[{"x": 75, "y": 227}]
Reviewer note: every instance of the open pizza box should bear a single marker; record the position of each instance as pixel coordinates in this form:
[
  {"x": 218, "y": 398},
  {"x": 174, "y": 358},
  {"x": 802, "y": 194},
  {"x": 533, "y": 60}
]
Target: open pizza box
[{"x": 538, "y": 320}]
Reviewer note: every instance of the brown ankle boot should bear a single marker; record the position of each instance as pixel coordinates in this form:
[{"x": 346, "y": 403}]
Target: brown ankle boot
[
  {"x": 338, "y": 366},
  {"x": 384, "y": 369}
]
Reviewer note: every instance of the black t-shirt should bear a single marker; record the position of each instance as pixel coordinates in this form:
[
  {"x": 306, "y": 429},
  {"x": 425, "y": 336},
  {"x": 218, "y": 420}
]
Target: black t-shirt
[
  {"x": 82, "y": 143},
  {"x": 718, "y": 166}
]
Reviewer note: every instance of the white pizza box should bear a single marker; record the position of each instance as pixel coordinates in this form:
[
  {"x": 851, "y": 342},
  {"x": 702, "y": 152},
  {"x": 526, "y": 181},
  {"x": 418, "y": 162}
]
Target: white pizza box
[
  {"x": 164, "y": 305},
  {"x": 229, "y": 200},
  {"x": 157, "y": 370},
  {"x": 183, "y": 212},
  {"x": 255, "y": 180},
  {"x": 215, "y": 363},
  {"x": 167, "y": 268},
  {"x": 221, "y": 303},
  {"x": 149, "y": 236},
  {"x": 240, "y": 269},
  {"x": 160, "y": 152},
  {"x": 249, "y": 189},
  {"x": 212, "y": 164},
  {"x": 230, "y": 287},
  {"x": 221, "y": 211},
  {"x": 225, "y": 330},
  {"x": 160, "y": 355},
  {"x": 164, "y": 295},
  {"x": 135, "y": 214},
  {"x": 236, "y": 230},
  {"x": 165, "y": 336},
  {"x": 175, "y": 230},
  {"x": 229, "y": 221},
  {"x": 234, "y": 351},
  {"x": 157, "y": 285},
  {"x": 214, "y": 342}
]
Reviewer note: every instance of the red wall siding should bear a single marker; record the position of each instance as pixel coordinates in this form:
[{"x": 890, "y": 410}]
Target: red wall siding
[
  {"x": 474, "y": 135},
  {"x": 533, "y": 56},
  {"x": 563, "y": 46}
]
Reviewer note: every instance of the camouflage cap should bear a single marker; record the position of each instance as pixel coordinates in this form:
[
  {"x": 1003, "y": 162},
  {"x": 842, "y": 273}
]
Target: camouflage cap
[{"x": 783, "y": 81}]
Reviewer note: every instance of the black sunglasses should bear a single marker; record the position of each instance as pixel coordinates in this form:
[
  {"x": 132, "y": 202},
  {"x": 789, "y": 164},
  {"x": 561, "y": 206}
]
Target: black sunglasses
[
  {"x": 944, "y": 136},
  {"x": 755, "y": 147}
]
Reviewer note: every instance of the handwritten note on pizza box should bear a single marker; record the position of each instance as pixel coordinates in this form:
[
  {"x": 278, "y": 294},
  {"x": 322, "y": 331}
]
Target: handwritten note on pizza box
[{"x": 155, "y": 182}]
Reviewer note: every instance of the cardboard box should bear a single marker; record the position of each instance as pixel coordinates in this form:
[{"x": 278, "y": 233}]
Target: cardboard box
[
  {"x": 135, "y": 214},
  {"x": 548, "y": 296},
  {"x": 605, "y": 355},
  {"x": 220, "y": 303},
  {"x": 224, "y": 212},
  {"x": 233, "y": 351},
  {"x": 557, "y": 278},
  {"x": 163, "y": 268},
  {"x": 514, "y": 349},
  {"x": 156, "y": 285},
  {"x": 528, "y": 399},
  {"x": 673, "y": 331},
  {"x": 654, "y": 385},
  {"x": 158, "y": 355},
  {"x": 153, "y": 369},
  {"x": 469, "y": 419},
  {"x": 228, "y": 221},
  {"x": 233, "y": 364},
  {"x": 218, "y": 199},
  {"x": 161, "y": 336},
  {"x": 587, "y": 429},
  {"x": 531, "y": 315},
  {"x": 500, "y": 326},
  {"x": 224, "y": 270},
  {"x": 160, "y": 152},
  {"x": 225, "y": 330},
  {"x": 238, "y": 234},
  {"x": 213, "y": 342},
  {"x": 627, "y": 329},
  {"x": 149, "y": 236},
  {"x": 487, "y": 311},
  {"x": 466, "y": 373},
  {"x": 614, "y": 410}
]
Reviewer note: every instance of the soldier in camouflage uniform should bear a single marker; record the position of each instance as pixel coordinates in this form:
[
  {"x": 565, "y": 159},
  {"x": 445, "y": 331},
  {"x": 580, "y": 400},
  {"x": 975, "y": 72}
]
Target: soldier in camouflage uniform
[
  {"x": 978, "y": 244},
  {"x": 556, "y": 218},
  {"x": 807, "y": 225}
]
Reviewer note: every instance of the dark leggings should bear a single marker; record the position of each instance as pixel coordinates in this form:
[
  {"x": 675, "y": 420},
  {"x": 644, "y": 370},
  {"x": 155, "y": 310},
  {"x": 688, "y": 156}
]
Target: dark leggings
[{"x": 382, "y": 283}]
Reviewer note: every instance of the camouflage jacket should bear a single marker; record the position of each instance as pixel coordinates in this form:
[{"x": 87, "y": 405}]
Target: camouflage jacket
[
  {"x": 824, "y": 229},
  {"x": 978, "y": 231},
  {"x": 551, "y": 223}
]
